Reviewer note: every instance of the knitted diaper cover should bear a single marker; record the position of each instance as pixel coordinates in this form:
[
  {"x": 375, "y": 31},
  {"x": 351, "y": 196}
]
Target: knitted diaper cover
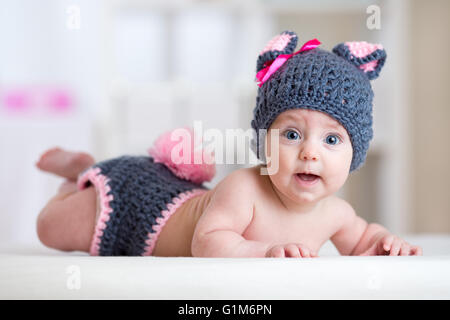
[{"x": 136, "y": 196}]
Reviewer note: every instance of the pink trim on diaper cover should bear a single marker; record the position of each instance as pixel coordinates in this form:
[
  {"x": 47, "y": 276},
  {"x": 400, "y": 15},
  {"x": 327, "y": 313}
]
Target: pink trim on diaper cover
[
  {"x": 101, "y": 185},
  {"x": 166, "y": 214}
]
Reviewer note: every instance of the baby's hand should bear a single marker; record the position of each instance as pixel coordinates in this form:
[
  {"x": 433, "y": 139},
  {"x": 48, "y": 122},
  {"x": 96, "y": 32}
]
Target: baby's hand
[
  {"x": 291, "y": 250},
  {"x": 393, "y": 246}
]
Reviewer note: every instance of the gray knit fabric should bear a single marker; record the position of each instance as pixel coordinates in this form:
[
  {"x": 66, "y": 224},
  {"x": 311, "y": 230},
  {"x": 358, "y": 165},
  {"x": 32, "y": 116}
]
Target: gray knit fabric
[
  {"x": 330, "y": 82},
  {"x": 141, "y": 190}
]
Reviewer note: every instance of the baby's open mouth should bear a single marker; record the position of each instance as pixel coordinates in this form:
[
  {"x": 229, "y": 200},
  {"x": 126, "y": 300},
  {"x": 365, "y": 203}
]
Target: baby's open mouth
[{"x": 307, "y": 177}]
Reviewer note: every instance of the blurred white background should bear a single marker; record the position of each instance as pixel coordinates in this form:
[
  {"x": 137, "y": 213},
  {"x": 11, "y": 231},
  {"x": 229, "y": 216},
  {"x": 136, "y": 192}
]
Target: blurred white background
[{"x": 108, "y": 77}]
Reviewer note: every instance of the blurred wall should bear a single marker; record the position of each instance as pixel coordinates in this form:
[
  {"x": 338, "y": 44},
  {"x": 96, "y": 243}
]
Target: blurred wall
[
  {"x": 430, "y": 110},
  {"x": 42, "y": 53}
]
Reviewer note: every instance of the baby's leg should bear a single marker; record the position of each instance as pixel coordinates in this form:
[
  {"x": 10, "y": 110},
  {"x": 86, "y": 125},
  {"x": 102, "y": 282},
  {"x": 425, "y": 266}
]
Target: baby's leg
[{"x": 67, "y": 221}]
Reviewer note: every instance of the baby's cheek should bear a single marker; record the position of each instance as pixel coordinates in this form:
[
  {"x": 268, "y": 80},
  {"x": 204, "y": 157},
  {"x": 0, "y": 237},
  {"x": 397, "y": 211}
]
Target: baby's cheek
[
  {"x": 338, "y": 167},
  {"x": 283, "y": 162},
  {"x": 335, "y": 177}
]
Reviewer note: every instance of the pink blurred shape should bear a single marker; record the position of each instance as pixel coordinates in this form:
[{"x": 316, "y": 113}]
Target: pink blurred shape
[
  {"x": 17, "y": 100},
  {"x": 60, "y": 100}
]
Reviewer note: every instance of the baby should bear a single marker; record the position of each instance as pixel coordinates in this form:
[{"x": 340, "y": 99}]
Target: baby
[{"x": 313, "y": 125}]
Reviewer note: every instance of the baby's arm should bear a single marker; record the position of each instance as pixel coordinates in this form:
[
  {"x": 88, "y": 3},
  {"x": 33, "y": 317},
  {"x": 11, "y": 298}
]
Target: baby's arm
[
  {"x": 219, "y": 230},
  {"x": 357, "y": 237}
]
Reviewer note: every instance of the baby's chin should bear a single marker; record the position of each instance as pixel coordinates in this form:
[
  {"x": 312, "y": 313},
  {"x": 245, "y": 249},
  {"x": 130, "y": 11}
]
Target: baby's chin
[
  {"x": 303, "y": 196},
  {"x": 306, "y": 197}
]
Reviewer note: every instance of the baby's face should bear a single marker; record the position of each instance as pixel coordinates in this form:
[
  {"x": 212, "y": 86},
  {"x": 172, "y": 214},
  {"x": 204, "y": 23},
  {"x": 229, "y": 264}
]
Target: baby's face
[{"x": 308, "y": 142}]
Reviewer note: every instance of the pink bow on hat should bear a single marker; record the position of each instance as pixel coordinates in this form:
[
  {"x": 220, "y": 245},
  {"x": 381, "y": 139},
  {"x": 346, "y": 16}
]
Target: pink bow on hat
[{"x": 264, "y": 74}]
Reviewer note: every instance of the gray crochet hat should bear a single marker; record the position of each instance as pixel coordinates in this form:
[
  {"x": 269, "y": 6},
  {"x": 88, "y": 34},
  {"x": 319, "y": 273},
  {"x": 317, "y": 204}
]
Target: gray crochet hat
[{"x": 336, "y": 83}]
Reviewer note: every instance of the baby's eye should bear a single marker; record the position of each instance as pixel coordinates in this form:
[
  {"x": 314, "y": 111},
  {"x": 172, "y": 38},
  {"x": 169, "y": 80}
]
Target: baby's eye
[
  {"x": 332, "y": 139},
  {"x": 291, "y": 135}
]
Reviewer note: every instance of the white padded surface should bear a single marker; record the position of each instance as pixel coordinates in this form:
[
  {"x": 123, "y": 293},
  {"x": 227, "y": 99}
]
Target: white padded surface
[{"x": 28, "y": 272}]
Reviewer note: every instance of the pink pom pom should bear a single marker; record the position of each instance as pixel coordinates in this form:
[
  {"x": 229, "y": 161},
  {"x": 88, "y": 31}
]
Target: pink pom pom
[{"x": 175, "y": 149}]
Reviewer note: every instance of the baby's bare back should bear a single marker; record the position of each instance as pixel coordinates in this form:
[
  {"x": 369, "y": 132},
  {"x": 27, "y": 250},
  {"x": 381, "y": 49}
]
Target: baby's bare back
[{"x": 176, "y": 235}]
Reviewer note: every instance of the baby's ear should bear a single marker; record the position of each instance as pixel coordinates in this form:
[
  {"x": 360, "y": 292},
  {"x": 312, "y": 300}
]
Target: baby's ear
[
  {"x": 366, "y": 56},
  {"x": 284, "y": 43}
]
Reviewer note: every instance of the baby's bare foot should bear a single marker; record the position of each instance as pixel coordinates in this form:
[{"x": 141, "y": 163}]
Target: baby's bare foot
[{"x": 64, "y": 163}]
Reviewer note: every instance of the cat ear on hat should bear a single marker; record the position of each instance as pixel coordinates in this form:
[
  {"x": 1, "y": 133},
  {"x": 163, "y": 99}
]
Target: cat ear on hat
[
  {"x": 284, "y": 43},
  {"x": 368, "y": 57}
]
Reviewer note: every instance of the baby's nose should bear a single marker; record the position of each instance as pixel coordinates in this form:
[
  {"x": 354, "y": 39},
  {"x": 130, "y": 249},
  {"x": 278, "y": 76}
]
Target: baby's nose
[
  {"x": 309, "y": 157},
  {"x": 309, "y": 154}
]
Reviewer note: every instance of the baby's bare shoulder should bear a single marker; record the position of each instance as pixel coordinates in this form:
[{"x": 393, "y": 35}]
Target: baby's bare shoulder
[
  {"x": 243, "y": 178},
  {"x": 240, "y": 186},
  {"x": 340, "y": 209},
  {"x": 231, "y": 204}
]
